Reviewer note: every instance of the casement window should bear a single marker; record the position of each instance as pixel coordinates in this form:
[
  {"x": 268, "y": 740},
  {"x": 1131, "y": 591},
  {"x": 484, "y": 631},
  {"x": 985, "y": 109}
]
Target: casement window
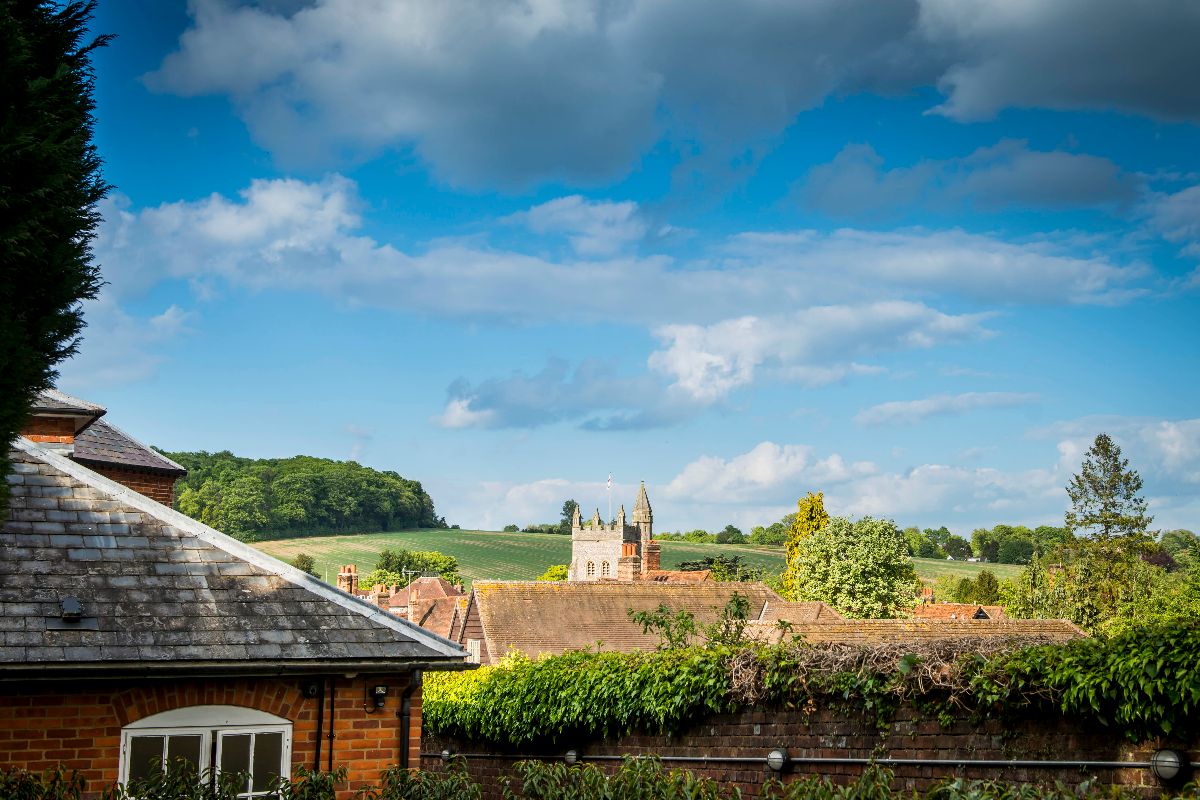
[
  {"x": 591, "y": 569},
  {"x": 215, "y": 740},
  {"x": 603, "y": 569}
]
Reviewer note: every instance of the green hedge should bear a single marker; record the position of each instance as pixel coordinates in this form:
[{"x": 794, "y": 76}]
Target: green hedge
[{"x": 1142, "y": 684}]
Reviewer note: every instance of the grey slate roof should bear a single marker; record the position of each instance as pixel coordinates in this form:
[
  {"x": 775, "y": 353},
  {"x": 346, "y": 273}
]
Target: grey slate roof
[
  {"x": 103, "y": 443},
  {"x": 163, "y": 593},
  {"x": 56, "y": 401}
]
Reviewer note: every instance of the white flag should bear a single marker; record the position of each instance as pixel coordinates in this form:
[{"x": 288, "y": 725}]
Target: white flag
[{"x": 610, "y": 481}]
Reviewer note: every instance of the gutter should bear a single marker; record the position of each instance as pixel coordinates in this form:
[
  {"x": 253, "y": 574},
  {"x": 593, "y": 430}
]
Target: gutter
[{"x": 177, "y": 669}]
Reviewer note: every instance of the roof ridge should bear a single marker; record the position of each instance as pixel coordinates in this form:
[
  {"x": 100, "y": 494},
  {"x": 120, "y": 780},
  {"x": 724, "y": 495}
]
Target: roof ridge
[{"x": 236, "y": 548}]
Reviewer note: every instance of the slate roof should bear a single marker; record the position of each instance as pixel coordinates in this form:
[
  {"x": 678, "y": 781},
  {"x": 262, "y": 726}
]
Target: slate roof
[
  {"x": 103, "y": 443},
  {"x": 163, "y": 593},
  {"x": 884, "y": 631},
  {"x": 550, "y": 617},
  {"x": 956, "y": 611},
  {"x": 52, "y": 400}
]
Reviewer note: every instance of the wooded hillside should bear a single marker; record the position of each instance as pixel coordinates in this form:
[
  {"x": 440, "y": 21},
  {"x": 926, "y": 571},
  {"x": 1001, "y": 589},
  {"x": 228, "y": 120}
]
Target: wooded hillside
[{"x": 273, "y": 497}]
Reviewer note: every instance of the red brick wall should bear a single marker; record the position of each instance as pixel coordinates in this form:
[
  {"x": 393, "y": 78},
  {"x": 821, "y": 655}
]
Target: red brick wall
[
  {"x": 78, "y": 725},
  {"x": 753, "y": 734},
  {"x": 60, "y": 430},
  {"x": 153, "y": 485}
]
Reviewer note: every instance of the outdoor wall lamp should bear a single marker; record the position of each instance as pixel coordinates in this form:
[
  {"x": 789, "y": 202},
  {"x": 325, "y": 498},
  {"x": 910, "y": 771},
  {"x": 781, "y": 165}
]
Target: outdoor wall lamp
[
  {"x": 1170, "y": 766},
  {"x": 571, "y": 756},
  {"x": 777, "y": 759},
  {"x": 377, "y": 695},
  {"x": 446, "y": 754}
]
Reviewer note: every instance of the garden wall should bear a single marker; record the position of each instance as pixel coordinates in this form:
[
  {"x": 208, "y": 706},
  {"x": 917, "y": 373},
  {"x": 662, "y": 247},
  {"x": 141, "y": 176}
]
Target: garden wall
[{"x": 833, "y": 735}]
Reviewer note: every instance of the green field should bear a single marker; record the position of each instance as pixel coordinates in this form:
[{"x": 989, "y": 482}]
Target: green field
[{"x": 523, "y": 556}]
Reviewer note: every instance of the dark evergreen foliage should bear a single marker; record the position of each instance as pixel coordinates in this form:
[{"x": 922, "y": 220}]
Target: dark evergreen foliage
[
  {"x": 1104, "y": 495},
  {"x": 50, "y": 183}
]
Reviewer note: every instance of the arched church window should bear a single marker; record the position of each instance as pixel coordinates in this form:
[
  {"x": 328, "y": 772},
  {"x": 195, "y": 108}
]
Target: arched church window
[
  {"x": 591, "y": 569},
  {"x": 603, "y": 569}
]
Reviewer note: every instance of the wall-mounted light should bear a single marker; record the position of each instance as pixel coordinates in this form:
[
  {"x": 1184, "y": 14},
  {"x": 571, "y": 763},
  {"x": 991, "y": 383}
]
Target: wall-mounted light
[
  {"x": 777, "y": 759},
  {"x": 571, "y": 756},
  {"x": 377, "y": 695},
  {"x": 1170, "y": 766},
  {"x": 446, "y": 754}
]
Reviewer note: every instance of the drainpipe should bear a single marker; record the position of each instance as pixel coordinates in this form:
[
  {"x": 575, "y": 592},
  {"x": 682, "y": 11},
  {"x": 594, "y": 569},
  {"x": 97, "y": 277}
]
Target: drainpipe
[
  {"x": 332, "y": 710},
  {"x": 405, "y": 714},
  {"x": 320, "y": 724}
]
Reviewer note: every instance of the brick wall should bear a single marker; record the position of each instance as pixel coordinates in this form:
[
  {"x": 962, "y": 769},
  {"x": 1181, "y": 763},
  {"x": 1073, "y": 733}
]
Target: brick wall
[
  {"x": 78, "y": 725},
  {"x": 154, "y": 485},
  {"x": 59, "y": 430},
  {"x": 753, "y": 734}
]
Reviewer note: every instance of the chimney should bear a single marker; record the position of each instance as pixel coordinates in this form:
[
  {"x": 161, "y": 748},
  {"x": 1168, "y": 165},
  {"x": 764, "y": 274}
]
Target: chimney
[
  {"x": 629, "y": 567},
  {"x": 653, "y": 555},
  {"x": 926, "y": 594},
  {"x": 347, "y": 579}
]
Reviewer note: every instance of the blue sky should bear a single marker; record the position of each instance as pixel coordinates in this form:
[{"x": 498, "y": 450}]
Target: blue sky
[{"x": 916, "y": 256}]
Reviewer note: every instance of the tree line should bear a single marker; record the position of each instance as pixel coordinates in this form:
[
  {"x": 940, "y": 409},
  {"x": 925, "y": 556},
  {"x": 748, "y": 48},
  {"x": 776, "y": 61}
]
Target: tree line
[{"x": 254, "y": 499}]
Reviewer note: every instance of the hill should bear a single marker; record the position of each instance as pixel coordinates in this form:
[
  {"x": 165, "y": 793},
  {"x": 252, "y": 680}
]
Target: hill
[{"x": 524, "y": 556}]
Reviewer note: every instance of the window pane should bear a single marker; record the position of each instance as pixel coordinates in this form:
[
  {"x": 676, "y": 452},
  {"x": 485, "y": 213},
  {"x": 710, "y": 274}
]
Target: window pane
[
  {"x": 235, "y": 752},
  {"x": 145, "y": 756},
  {"x": 268, "y": 759},
  {"x": 187, "y": 748}
]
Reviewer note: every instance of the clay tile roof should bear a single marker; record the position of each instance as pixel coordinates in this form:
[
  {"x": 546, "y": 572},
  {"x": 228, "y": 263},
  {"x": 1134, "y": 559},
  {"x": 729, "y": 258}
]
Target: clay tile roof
[
  {"x": 438, "y": 616},
  {"x": 550, "y": 617},
  {"x": 796, "y": 613},
  {"x": 102, "y": 443},
  {"x": 677, "y": 575},
  {"x": 956, "y": 611},
  {"x": 880, "y": 631},
  {"x": 163, "y": 593},
  {"x": 431, "y": 587}
]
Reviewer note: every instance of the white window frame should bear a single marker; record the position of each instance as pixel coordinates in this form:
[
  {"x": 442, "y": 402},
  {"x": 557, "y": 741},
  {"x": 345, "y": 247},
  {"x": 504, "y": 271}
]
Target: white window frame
[
  {"x": 591, "y": 569},
  {"x": 604, "y": 569},
  {"x": 208, "y": 722}
]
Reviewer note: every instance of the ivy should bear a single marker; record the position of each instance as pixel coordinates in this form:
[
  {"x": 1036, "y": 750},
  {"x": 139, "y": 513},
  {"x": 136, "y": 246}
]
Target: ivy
[{"x": 1142, "y": 684}]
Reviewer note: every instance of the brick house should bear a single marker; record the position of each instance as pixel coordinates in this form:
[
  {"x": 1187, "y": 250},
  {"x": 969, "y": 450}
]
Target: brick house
[{"x": 130, "y": 633}]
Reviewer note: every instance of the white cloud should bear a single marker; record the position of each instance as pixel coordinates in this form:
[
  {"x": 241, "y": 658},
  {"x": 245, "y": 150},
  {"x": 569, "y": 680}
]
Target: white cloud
[
  {"x": 593, "y": 228},
  {"x": 907, "y": 412},
  {"x": 579, "y": 89},
  {"x": 710, "y": 361},
  {"x": 459, "y": 414},
  {"x": 1177, "y": 218},
  {"x": 1165, "y": 452},
  {"x": 118, "y": 347},
  {"x": 760, "y": 472}
]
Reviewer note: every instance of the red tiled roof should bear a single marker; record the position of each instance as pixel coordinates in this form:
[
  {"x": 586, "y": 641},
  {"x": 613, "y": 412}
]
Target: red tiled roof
[
  {"x": 880, "y": 631},
  {"x": 957, "y": 611}
]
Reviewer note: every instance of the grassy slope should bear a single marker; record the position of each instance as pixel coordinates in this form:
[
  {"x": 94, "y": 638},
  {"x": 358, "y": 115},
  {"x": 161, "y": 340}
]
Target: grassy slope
[{"x": 523, "y": 556}]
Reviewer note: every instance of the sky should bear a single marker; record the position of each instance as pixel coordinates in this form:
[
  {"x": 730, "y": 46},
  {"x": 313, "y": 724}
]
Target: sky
[{"x": 915, "y": 255}]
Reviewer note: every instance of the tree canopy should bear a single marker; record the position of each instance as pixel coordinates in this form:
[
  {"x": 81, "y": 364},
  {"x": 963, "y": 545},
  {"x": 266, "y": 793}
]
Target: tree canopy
[
  {"x": 259, "y": 498},
  {"x": 860, "y": 568},
  {"x": 50, "y": 183},
  {"x": 1104, "y": 495},
  {"x": 402, "y": 567}
]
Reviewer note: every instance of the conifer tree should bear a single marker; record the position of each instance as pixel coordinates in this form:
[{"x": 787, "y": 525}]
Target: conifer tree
[
  {"x": 810, "y": 518},
  {"x": 49, "y": 185},
  {"x": 1104, "y": 495}
]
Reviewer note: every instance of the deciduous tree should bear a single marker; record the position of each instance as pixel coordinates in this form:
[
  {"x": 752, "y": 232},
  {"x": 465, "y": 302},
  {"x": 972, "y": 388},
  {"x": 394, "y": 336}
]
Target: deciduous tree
[
  {"x": 860, "y": 568},
  {"x": 810, "y": 517}
]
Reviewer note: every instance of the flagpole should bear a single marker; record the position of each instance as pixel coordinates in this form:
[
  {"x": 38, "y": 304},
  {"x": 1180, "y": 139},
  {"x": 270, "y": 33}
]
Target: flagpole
[{"x": 610, "y": 516}]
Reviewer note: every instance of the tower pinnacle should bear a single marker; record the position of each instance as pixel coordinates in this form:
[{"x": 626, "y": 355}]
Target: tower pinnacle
[{"x": 641, "y": 508}]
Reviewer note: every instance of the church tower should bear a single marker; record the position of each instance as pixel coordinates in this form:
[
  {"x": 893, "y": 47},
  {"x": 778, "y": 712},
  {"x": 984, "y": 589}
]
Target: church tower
[{"x": 620, "y": 550}]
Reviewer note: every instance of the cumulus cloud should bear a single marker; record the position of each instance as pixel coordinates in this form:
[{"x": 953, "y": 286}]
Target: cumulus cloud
[
  {"x": 593, "y": 228},
  {"x": 907, "y": 412},
  {"x": 856, "y": 184},
  {"x": 579, "y": 89},
  {"x": 813, "y": 346},
  {"x": 1177, "y": 218},
  {"x": 761, "y": 472},
  {"x": 1165, "y": 452}
]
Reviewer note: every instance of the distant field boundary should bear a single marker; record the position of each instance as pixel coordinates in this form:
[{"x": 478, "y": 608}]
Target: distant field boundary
[{"x": 499, "y": 555}]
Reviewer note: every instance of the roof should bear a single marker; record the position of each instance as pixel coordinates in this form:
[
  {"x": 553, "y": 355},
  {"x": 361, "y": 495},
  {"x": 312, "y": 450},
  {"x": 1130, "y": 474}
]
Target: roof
[
  {"x": 798, "y": 613},
  {"x": 957, "y": 611},
  {"x": 676, "y": 575},
  {"x": 550, "y": 617},
  {"x": 426, "y": 588},
  {"x": 54, "y": 401},
  {"x": 102, "y": 443},
  {"x": 163, "y": 593},
  {"x": 436, "y": 615},
  {"x": 880, "y": 631}
]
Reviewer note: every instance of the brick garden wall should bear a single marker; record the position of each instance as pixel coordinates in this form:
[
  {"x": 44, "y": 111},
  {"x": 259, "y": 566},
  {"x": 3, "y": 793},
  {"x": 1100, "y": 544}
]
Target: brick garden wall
[
  {"x": 78, "y": 725},
  {"x": 755, "y": 733}
]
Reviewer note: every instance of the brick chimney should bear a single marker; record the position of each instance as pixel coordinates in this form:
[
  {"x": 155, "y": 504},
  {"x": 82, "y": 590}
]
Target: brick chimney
[
  {"x": 629, "y": 566},
  {"x": 347, "y": 579},
  {"x": 653, "y": 555}
]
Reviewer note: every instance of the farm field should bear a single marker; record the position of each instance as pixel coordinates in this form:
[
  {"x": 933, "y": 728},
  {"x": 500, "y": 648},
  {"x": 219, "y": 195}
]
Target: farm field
[{"x": 523, "y": 556}]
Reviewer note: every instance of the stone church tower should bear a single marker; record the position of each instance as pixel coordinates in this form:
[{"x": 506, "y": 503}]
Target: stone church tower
[{"x": 623, "y": 550}]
